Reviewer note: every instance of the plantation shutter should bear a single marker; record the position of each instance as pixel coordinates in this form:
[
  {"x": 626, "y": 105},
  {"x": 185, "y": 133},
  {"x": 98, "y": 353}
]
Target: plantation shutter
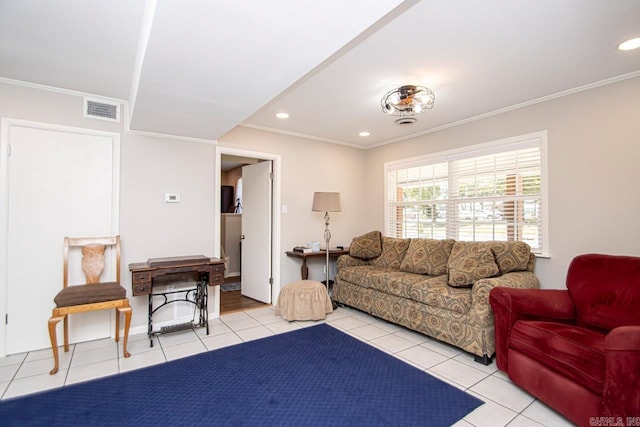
[{"x": 488, "y": 192}]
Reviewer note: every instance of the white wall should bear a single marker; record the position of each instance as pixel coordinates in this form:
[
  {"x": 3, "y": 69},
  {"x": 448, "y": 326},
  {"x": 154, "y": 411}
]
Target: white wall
[
  {"x": 152, "y": 166},
  {"x": 149, "y": 167},
  {"x": 150, "y": 227},
  {"x": 594, "y": 177},
  {"x": 309, "y": 166}
]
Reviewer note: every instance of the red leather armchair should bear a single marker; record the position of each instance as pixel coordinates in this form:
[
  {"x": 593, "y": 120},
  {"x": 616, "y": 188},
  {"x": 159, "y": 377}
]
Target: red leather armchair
[{"x": 577, "y": 350}]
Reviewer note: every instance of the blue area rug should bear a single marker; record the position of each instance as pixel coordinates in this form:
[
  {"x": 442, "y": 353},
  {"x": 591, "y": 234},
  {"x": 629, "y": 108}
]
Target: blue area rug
[{"x": 312, "y": 376}]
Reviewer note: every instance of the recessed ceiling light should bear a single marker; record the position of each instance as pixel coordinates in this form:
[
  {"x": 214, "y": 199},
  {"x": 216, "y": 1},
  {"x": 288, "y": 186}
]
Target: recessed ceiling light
[
  {"x": 364, "y": 134},
  {"x": 630, "y": 44},
  {"x": 282, "y": 115}
]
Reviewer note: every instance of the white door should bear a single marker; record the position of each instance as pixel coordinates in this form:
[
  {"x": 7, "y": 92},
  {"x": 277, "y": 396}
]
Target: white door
[
  {"x": 60, "y": 183},
  {"x": 256, "y": 229}
]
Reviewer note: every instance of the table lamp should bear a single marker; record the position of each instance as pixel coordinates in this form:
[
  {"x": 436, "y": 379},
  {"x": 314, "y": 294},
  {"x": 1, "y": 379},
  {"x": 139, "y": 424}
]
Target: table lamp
[{"x": 327, "y": 202}]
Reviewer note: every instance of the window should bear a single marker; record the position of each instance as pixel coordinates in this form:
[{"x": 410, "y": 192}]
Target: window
[{"x": 493, "y": 191}]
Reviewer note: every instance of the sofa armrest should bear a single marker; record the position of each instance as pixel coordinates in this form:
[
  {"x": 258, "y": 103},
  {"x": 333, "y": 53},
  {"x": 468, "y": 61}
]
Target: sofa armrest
[
  {"x": 481, "y": 289},
  {"x": 349, "y": 261},
  {"x": 622, "y": 375},
  {"x": 511, "y": 305}
]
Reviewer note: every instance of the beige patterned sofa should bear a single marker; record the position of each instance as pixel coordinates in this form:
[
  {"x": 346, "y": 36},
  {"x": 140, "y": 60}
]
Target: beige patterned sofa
[{"x": 436, "y": 287}]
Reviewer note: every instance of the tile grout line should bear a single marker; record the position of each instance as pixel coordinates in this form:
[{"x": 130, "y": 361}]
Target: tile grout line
[
  {"x": 66, "y": 375},
  {"x": 233, "y": 330},
  {"x": 526, "y": 407},
  {"x": 13, "y": 377}
]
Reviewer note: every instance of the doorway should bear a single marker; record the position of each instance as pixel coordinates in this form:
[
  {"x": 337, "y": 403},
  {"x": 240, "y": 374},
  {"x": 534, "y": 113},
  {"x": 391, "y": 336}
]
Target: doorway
[{"x": 249, "y": 236}]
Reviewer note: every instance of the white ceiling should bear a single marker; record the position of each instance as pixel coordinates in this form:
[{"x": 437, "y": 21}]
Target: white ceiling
[{"x": 198, "y": 69}]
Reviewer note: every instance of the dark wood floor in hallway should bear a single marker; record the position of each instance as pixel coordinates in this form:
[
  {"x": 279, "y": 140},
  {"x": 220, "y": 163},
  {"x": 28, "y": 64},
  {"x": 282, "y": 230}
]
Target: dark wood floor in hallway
[{"x": 234, "y": 301}]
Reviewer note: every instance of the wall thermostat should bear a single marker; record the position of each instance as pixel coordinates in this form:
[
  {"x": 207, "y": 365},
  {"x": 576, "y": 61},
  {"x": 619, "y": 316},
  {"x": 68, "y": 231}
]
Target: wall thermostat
[{"x": 172, "y": 197}]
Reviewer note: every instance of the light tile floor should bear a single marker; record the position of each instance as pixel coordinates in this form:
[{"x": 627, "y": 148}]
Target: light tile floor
[{"x": 506, "y": 404}]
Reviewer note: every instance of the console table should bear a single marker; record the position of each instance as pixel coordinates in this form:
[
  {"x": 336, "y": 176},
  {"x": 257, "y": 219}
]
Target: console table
[
  {"x": 304, "y": 270},
  {"x": 149, "y": 278}
]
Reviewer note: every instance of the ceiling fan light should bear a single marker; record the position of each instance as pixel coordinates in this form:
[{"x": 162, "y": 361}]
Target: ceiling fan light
[{"x": 407, "y": 100}]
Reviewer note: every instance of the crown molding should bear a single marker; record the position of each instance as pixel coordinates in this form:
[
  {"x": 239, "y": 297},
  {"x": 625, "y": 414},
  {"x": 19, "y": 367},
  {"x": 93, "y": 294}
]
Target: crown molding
[
  {"x": 299, "y": 135},
  {"x": 332, "y": 141},
  {"x": 58, "y": 90},
  {"x": 514, "y": 107}
]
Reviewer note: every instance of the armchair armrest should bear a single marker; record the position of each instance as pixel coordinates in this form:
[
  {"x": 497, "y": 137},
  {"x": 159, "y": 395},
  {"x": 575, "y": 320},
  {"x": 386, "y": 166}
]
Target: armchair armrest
[
  {"x": 349, "y": 261},
  {"x": 622, "y": 374},
  {"x": 549, "y": 304},
  {"x": 511, "y": 305}
]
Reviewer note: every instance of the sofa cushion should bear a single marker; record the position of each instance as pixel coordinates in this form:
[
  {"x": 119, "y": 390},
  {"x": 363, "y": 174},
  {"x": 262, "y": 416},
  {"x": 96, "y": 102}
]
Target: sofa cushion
[
  {"x": 395, "y": 282},
  {"x": 427, "y": 256},
  {"x": 469, "y": 262},
  {"x": 436, "y": 292},
  {"x": 573, "y": 351},
  {"x": 393, "y": 252},
  {"x": 510, "y": 256},
  {"x": 361, "y": 275},
  {"x": 367, "y": 246}
]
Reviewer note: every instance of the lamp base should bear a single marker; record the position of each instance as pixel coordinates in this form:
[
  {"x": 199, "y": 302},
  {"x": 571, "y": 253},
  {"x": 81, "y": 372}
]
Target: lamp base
[
  {"x": 330, "y": 287},
  {"x": 334, "y": 305}
]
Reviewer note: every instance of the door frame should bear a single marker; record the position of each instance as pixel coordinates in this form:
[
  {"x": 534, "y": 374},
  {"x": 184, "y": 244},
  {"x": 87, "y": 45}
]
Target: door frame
[
  {"x": 275, "y": 214},
  {"x": 6, "y": 124}
]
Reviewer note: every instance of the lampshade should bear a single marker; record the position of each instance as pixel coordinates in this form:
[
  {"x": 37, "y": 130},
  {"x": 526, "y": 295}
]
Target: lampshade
[{"x": 326, "y": 202}]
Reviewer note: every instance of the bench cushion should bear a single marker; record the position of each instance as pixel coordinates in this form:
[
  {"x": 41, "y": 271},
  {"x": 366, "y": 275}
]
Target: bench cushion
[{"x": 89, "y": 294}]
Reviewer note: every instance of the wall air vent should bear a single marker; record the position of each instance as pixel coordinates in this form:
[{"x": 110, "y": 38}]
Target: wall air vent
[{"x": 101, "y": 109}]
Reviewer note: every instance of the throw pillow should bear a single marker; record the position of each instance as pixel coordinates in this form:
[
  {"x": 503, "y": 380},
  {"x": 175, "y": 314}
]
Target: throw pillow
[
  {"x": 427, "y": 256},
  {"x": 367, "y": 246},
  {"x": 511, "y": 256},
  {"x": 470, "y": 262}
]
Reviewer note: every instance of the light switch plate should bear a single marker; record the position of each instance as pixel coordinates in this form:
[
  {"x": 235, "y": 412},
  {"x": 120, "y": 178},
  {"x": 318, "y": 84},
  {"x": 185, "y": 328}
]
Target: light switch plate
[{"x": 172, "y": 197}]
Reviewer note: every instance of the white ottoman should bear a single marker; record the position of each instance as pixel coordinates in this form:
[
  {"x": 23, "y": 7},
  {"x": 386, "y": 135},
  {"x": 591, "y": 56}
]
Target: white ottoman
[{"x": 303, "y": 300}]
